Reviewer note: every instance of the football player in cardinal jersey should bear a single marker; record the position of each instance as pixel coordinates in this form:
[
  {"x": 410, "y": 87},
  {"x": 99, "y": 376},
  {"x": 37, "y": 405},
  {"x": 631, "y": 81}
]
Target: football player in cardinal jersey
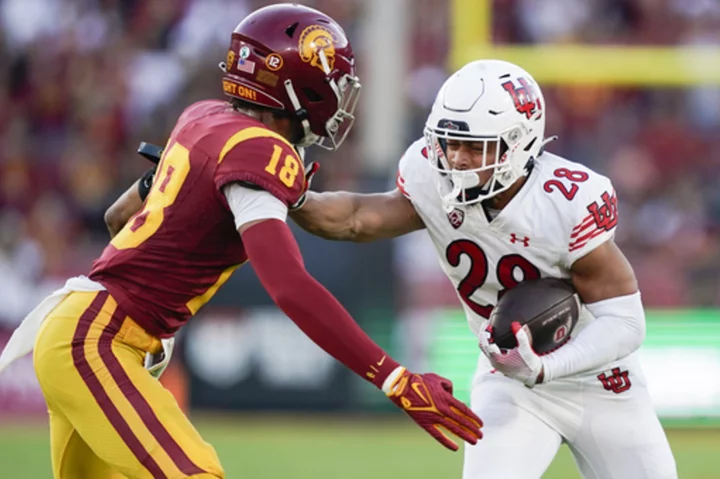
[
  {"x": 220, "y": 197},
  {"x": 500, "y": 209}
]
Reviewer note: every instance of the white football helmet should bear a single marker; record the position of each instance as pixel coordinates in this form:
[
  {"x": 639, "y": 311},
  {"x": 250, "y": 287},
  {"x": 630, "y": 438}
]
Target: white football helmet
[{"x": 485, "y": 101}]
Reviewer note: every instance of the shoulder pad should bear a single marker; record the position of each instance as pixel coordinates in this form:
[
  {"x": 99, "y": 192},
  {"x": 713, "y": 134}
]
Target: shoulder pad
[
  {"x": 264, "y": 158},
  {"x": 411, "y": 167}
]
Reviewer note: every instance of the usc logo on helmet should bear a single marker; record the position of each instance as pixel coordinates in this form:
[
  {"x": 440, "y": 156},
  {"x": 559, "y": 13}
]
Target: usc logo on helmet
[{"x": 313, "y": 40}]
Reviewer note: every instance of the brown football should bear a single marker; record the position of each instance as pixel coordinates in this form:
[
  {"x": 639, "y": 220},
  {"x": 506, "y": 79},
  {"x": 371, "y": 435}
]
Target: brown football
[{"x": 549, "y": 306}]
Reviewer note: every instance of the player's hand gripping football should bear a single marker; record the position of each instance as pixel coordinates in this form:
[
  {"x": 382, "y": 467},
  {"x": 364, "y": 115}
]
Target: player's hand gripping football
[
  {"x": 521, "y": 363},
  {"x": 428, "y": 400}
]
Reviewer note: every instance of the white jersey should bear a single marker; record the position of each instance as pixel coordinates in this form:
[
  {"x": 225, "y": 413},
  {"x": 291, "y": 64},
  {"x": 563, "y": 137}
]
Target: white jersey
[{"x": 562, "y": 212}]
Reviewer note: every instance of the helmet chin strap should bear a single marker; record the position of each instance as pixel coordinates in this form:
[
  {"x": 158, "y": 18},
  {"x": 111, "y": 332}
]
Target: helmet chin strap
[
  {"x": 301, "y": 152},
  {"x": 309, "y": 138},
  {"x": 545, "y": 142}
]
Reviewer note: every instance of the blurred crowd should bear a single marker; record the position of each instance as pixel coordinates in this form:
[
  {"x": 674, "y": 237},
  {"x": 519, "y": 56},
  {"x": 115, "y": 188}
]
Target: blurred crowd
[
  {"x": 83, "y": 81},
  {"x": 660, "y": 146}
]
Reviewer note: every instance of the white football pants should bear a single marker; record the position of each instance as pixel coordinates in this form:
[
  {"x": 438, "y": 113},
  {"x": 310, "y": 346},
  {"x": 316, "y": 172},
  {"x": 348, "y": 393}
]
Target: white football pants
[{"x": 610, "y": 426}]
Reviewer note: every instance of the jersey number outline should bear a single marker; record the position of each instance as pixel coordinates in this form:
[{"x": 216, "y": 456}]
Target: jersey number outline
[
  {"x": 574, "y": 176},
  {"x": 172, "y": 172},
  {"x": 478, "y": 271},
  {"x": 289, "y": 171}
]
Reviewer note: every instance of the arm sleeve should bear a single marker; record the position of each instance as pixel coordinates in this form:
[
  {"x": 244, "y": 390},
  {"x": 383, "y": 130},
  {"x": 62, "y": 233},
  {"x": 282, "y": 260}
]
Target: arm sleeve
[
  {"x": 595, "y": 219},
  {"x": 276, "y": 259},
  {"x": 250, "y": 205},
  {"x": 618, "y": 330}
]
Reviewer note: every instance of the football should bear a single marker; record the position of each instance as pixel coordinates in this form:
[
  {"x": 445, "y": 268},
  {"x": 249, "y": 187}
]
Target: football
[{"x": 549, "y": 306}]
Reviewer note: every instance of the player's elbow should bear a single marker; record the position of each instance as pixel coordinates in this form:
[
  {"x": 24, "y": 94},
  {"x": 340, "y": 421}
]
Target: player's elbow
[
  {"x": 635, "y": 325},
  {"x": 354, "y": 231},
  {"x": 349, "y": 230},
  {"x": 362, "y": 231},
  {"x": 323, "y": 226},
  {"x": 637, "y": 333},
  {"x": 288, "y": 293}
]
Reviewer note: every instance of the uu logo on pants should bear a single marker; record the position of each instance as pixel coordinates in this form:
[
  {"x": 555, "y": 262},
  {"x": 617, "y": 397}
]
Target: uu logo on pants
[{"x": 617, "y": 382}]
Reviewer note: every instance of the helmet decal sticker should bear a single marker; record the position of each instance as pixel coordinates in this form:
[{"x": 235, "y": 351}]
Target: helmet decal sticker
[
  {"x": 313, "y": 40},
  {"x": 525, "y": 97},
  {"x": 274, "y": 62},
  {"x": 230, "y": 60},
  {"x": 267, "y": 78}
]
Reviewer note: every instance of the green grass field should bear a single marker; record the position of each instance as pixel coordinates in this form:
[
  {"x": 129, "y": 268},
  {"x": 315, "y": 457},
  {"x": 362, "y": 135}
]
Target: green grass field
[{"x": 271, "y": 447}]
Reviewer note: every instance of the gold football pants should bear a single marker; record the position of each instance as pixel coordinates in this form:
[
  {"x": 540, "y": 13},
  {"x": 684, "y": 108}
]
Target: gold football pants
[{"x": 108, "y": 417}]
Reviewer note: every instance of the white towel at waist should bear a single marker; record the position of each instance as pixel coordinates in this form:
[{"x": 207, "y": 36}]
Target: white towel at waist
[{"x": 23, "y": 338}]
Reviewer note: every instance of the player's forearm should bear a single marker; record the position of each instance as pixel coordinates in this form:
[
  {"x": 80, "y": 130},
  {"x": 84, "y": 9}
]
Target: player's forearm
[
  {"x": 124, "y": 207},
  {"x": 618, "y": 330},
  {"x": 358, "y": 217},
  {"x": 323, "y": 319},
  {"x": 129, "y": 203},
  {"x": 277, "y": 261},
  {"x": 330, "y": 215}
]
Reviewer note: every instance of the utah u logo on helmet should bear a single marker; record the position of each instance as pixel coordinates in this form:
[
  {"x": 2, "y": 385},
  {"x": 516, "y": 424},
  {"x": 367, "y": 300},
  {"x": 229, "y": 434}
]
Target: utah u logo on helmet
[{"x": 526, "y": 99}]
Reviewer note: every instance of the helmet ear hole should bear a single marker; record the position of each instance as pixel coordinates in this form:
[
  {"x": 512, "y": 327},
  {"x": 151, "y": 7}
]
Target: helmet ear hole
[
  {"x": 312, "y": 95},
  {"x": 290, "y": 31},
  {"x": 529, "y": 145}
]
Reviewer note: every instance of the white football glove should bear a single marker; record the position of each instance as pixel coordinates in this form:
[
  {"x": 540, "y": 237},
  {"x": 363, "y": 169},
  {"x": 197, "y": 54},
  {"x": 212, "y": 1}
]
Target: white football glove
[
  {"x": 156, "y": 363},
  {"x": 520, "y": 363}
]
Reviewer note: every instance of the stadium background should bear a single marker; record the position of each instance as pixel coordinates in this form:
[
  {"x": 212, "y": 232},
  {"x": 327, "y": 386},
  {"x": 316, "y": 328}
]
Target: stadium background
[{"x": 632, "y": 89}]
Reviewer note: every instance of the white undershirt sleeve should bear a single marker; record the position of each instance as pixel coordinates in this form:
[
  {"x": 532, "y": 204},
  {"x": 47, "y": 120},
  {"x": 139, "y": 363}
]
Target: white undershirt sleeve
[
  {"x": 250, "y": 205},
  {"x": 618, "y": 330}
]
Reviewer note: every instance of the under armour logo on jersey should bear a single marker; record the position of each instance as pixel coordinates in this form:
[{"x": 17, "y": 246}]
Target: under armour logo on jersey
[
  {"x": 617, "y": 382},
  {"x": 456, "y": 218},
  {"x": 524, "y": 240}
]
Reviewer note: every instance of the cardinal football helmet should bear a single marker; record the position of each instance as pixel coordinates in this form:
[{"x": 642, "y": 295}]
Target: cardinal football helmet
[
  {"x": 485, "y": 101},
  {"x": 294, "y": 58}
]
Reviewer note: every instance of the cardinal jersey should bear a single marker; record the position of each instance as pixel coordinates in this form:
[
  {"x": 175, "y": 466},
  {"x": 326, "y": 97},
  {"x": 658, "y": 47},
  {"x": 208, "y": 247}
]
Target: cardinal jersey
[
  {"x": 563, "y": 211},
  {"x": 174, "y": 254}
]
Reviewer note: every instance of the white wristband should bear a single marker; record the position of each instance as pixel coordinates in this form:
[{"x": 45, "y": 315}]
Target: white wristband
[{"x": 390, "y": 381}]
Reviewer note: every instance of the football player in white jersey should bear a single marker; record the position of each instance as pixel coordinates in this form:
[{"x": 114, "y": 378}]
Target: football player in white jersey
[{"x": 500, "y": 209}]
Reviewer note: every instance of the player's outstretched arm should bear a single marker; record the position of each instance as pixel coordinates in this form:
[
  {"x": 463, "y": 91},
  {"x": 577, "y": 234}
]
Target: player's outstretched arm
[
  {"x": 342, "y": 215},
  {"x": 426, "y": 398}
]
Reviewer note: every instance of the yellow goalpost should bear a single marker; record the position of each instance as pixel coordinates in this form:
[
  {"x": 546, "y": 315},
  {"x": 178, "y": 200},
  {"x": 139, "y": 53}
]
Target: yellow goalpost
[{"x": 678, "y": 66}]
